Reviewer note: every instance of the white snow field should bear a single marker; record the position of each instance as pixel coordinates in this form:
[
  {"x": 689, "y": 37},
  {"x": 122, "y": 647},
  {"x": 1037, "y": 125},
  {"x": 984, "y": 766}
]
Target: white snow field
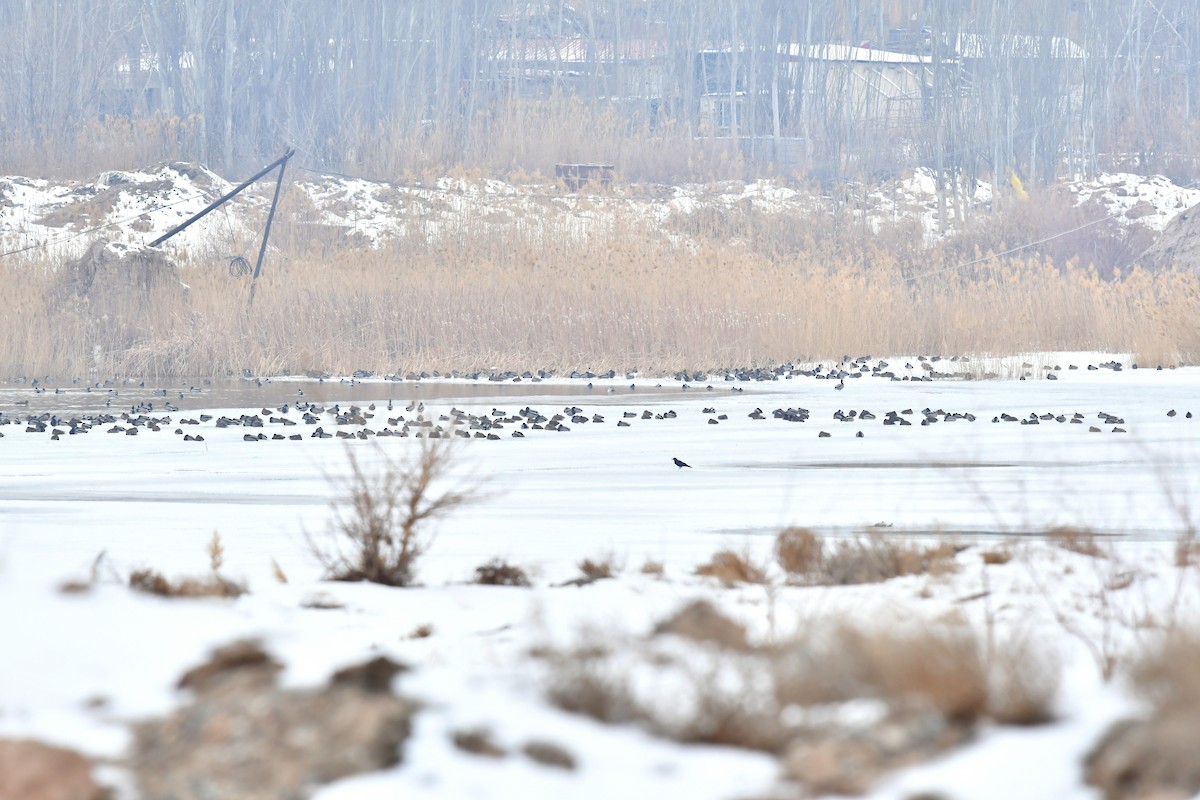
[
  {"x": 78, "y": 668},
  {"x": 60, "y": 219}
]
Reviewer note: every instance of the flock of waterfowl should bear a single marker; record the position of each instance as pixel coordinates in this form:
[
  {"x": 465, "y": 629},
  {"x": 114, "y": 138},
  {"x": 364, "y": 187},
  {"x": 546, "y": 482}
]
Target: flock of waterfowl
[
  {"x": 356, "y": 422},
  {"x": 352, "y": 421}
]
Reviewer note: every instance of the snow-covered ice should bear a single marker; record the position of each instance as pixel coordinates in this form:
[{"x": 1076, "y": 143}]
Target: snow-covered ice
[{"x": 77, "y": 668}]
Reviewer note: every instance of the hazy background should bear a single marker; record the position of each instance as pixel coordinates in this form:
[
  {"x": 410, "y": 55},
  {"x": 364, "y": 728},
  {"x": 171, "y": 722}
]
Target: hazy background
[{"x": 665, "y": 89}]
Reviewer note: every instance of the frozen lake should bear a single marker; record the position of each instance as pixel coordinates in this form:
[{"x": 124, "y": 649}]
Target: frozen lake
[
  {"x": 554, "y": 497},
  {"x": 78, "y": 668}
]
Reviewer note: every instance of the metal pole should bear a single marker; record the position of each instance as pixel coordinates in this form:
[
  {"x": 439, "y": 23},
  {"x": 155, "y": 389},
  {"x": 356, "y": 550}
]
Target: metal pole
[
  {"x": 279, "y": 162},
  {"x": 262, "y": 250}
]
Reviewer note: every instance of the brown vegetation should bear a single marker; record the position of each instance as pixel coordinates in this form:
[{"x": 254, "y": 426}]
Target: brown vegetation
[
  {"x": 1187, "y": 551},
  {"x": 654, "y": 568},
  {"x": 871, "y": 557},
  {"x": 779, "y": 286},
  {"x": 597, "y": 569},
  {"x": 423, "y": 631},
  {"x": 931, "y": 681},
  {"x": 997, "y": 556},
  {"x": 938, "y": 668},
  {"x": 213, "y": 584},
  {"x": 798, "y": 551},
  {"x": 1077, "y": 540},
  {"x": 382, "y": 514},
  {"x": 1155, "y": 756},
  {"x": 498, "y": 572},
  {"x": 1025, "y": 676},
  {"x": 732, "y": 568}
]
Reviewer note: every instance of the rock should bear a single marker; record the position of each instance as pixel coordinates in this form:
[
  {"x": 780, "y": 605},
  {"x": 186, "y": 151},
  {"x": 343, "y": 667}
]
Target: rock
[
  {"x": 701, "y": 621},
  {"x": 1153, "y": 758},
  {"x": 245, "y": 737},
  {"x": 478, "y": 742},
  {"x": 827, "y": 766},
  {"x": 375, "y": 676},
  {"x": 34, "y": 771},
  {"x": 844, "y": 759},
  {"x": 244, "y": 659},
  {"x": 1178, "y": 247},
  {"x": 549, "y": 754}
]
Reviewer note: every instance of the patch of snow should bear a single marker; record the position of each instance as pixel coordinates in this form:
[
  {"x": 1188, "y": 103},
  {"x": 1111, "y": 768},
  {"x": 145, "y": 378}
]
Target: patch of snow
[{"x": 136, "y": 206}]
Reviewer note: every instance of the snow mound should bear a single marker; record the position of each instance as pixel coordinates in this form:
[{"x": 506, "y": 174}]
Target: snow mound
[{"x": 132, "y": 208}]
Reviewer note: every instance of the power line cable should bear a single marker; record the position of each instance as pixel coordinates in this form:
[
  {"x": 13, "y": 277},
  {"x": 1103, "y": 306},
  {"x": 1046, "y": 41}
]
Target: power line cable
[{"x": 1026, "y": 246}]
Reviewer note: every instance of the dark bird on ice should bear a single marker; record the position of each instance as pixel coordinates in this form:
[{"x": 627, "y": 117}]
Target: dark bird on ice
[{"x": 681, "y": 464}]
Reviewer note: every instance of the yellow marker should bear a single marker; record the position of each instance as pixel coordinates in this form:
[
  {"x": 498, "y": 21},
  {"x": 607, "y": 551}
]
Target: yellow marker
[{"x": 1018, "y": 189}]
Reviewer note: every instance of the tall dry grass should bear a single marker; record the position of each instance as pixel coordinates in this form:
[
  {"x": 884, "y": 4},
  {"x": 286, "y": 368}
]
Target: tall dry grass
[
  {"x": 598, "y": 288},
  {"x": 102, "y": 144}
]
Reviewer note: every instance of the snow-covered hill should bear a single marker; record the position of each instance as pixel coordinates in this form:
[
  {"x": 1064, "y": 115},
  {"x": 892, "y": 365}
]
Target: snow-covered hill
[{"x": 61, "y": 219}]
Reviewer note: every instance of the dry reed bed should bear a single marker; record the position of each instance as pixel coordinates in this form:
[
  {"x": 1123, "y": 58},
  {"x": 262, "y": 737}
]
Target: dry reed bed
[
  {"x": 696, "y": 678},
  {"x": 628, "y": 295}
]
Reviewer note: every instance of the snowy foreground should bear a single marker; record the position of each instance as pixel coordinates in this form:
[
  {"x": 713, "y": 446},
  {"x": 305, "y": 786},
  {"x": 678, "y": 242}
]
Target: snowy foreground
[{"x": 79, "y": 668}]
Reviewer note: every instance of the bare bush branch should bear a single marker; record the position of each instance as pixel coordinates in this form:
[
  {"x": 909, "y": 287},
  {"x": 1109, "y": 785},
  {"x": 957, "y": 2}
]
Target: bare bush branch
[{"x": 381, "y": 515}]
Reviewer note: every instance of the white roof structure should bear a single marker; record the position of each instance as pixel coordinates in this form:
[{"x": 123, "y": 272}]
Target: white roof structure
[{"x": 845, "y": 52}]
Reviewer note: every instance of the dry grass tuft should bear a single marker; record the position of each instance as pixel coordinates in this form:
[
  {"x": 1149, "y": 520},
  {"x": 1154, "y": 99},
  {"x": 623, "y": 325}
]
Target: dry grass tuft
[
  {"x": 588, "y": 681},
  {"x": 943, "y": 670},
  {"x": 1024, "y": 681},
  {"x": 732, "y": 568},
  {"x": 153, "y": 582},
  {"x": 876, "y": 558},
  {"x": 421, "y": 632},
  {"x": 1169, "y": 676},
  {"x": 936, "y": 668},
  {"x": 1187, "y": 552},
  {"x": 798, "y": 551},
  {"x": 381, "y": 515},
  {"x": 102, "y": 569},
  {"x": 655, "y": 568},
  {"x": 582, "y": 682},
  {"x": 597, "y": 569},
  {"x": 1155, "y": 756},
  {"x": 212, "y": 585},
  {"x": 1076, "y": 540},
  {"x": 1001, "y": 555},
  {"x": 872, "y": 557},
  {"x": 498, "y": 572}
]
